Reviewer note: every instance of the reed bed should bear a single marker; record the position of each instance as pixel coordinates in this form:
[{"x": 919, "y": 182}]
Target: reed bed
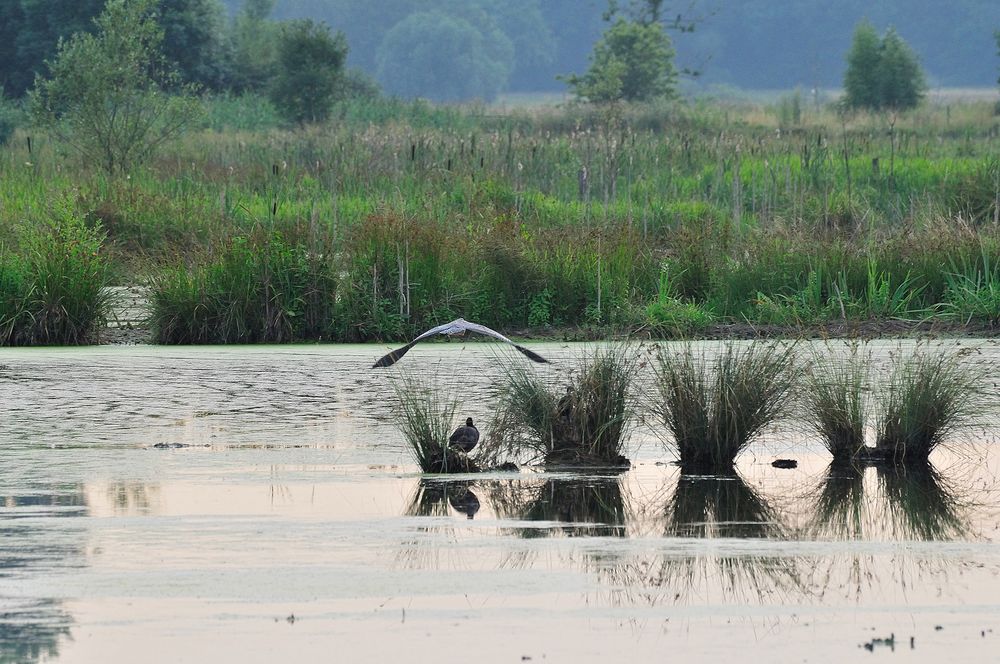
[
  {"x": 714, "y": 409},
  {"x": 546, "y": 220},
  {"x": 587, "y": 424},
  {"x": 52, "y": 289},
  {"x": 260, "y": 288}
]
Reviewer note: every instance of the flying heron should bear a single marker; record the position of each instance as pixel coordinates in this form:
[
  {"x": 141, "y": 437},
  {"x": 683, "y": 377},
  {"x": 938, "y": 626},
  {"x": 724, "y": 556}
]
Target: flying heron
[{"x": 457, "y": 327}]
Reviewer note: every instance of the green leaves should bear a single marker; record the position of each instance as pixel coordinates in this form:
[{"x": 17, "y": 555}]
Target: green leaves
[
  {"x": 107, "y": 93},
  {"x": 882, "y": 74},
  {"x": 633, "y": 61},
  {"x": 310, "y": 61}
]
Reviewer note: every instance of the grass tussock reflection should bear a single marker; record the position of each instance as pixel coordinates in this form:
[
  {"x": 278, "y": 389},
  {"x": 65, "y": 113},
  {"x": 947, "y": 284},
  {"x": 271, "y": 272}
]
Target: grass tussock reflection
[
  {"x": 912, "y": 503},
  {"x": 582, "y": 507}
]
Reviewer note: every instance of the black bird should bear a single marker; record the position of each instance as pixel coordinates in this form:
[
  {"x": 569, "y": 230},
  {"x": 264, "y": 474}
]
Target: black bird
[
  {"x": 455, "y": 328},
  {"x": 465, "y": 438}
]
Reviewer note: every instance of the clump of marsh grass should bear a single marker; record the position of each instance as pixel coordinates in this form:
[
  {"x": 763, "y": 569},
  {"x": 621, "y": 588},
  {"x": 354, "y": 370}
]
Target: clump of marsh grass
[
  {"x": 426, "y": 417},
  {"x": 836, "y": 406},
  {"x": 52, "y": 291},
  {"x": 587, "y": 424},
  {"x": 715, "y": 409},
  {"x": 928, "y": 397}
]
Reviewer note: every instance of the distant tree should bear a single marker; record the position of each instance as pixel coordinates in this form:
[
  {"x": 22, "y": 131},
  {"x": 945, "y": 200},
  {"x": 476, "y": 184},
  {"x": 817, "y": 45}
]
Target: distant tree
[
  {"x": 37, "y": 26},
  {"x": 882, "y": 74},
  {"x": 258, "y": 10},
  {"x": 107, "y": 92},
  {"x": 996, "y": 35},
  {"x": 253, "y": 46},
  {"x": 443, "y": 57},
  {"x": 521, "y": 21},
  {"x": 901, "y": 82},
  {"x": 308, "y": 70},
  {"x": 193, "y": 39},
  {"x": 633, "y": 61},
  {"x": 861, "y": 87}
]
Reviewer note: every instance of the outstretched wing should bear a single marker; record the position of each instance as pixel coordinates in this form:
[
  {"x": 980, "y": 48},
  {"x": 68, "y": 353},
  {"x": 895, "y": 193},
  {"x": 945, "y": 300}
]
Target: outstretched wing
[
  {"x": 482, "y": 329},
  {"x": 455, "y": 327},
  {"x": 391, "y": 358}
]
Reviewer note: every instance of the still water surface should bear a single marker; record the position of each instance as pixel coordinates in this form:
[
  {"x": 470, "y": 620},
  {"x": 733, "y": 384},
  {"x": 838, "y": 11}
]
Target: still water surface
[{"x": 294, "y": 527}]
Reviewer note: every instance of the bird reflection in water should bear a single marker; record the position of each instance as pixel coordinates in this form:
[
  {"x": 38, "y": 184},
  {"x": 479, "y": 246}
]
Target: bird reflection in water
[{"x": 435, "y": 497}]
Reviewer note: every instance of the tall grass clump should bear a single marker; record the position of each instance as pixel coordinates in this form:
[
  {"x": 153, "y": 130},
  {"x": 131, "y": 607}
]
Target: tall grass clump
[
  {"x": 715, "y": 409},
  {"x": 262, "y": 288},
  {"x": 929, "y": 396},
  {"x": 51, "y": 290},
  {"x": 836, "y": 407},
  {"x": 426, "y": 416},
  {"x": 586, "y": 424}
]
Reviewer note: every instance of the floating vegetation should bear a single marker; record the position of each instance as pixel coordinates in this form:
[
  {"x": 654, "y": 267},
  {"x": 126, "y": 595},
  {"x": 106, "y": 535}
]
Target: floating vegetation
[{"x": 713, "y": 410}]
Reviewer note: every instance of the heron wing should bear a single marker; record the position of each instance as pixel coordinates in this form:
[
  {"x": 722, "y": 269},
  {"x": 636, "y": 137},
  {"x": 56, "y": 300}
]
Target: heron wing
[
  {"x": 391, "y": 358},
  {"x": 482, "y": 329},
  {"x": 457, "y": 325}
]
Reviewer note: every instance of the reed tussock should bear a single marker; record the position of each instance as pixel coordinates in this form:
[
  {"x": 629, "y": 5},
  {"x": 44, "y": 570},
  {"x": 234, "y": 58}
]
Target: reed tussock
[
  {"x": 714, "y": 409},
  {"x": 929, "y": 397},
  {"x": 586, "y": 424},
  {"x": 836, "y": 404},
  {"x": 425, "y": 415}
]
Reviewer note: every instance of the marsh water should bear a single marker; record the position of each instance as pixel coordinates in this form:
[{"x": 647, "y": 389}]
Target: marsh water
[{"x": 257, "y": 505}]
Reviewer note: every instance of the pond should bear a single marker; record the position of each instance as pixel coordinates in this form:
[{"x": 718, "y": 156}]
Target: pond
[{"x": 282, "y": 518}]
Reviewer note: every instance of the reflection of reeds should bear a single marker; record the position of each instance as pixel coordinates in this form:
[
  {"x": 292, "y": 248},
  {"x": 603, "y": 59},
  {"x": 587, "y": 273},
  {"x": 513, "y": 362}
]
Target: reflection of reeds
[
  {"x": 928, "y": 397},
  {"x": 713, "y": 410},
  {"x": 589, "y": 507},
  {"x": 723, "y": 506},
  {"x": 719, "y": 506},
  {"x": 436, "y": 498},
  {"x": 840, "y": 507},
  {"x": 836, "y": 407},
  {"x": 922, "y": 504},
  {"x": 426, "y": 415},
  {"x": 912, "y": 503},
  {"x": 587, "y": 424}
]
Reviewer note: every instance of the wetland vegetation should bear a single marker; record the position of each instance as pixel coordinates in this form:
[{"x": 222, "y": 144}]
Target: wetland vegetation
[{"x": 674, "y": 219}]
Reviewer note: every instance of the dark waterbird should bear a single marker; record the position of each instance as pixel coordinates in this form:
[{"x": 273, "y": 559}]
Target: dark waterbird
[
  {"x": 465, "y": 437},
  {"x": 457, "y": 327}
]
